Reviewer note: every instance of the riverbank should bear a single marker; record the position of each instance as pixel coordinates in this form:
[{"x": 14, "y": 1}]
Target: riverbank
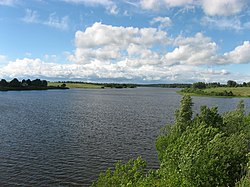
[
  {"x": 85, "y": 85},
  {"x": 32, "y": 88},
  {"x": 218, "y": 92},
  {"x": 77, "y": 85}
]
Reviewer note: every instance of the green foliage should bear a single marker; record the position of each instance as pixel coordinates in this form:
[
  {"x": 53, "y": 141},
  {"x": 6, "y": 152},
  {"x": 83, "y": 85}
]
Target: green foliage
[
  {"x": 199, "y": 85},
  {"x": 36, "y": 84},
  {"x": 129, "y": 174},
  {"x": 197, "y": 91},
  {"x": 208, "y": 150},
  {"x": 3, "y": 83},
  {"x": 231, "y": 83},
  {"x": 205, "y": 154},
  {"x": 184, "y": 114},
  {"x": 14, "y": 83}
]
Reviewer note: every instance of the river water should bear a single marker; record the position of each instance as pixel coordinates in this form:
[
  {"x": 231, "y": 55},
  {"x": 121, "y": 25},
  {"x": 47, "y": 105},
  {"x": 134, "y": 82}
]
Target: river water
[{"x": 67, "y": 137}]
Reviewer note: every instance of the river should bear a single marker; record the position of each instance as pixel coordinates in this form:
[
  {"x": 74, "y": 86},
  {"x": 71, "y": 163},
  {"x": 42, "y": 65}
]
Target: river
[{"x": 67, "y": 137}]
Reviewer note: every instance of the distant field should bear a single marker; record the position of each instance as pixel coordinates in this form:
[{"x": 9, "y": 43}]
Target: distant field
[
  {"x": 214, "y": 92},
  {"x": 76, "y": 85},
  {"x": 237, "y": 91}
]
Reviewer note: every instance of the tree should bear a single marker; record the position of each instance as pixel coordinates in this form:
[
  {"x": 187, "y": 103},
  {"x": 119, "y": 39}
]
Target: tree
[
  {"x": 39, "y": 83},
  {"x": 231, "y": 83},
  {"x": 129, "y": 174},
  {"x": 28, "y": 81},
  {"x": 36, "y": 82},
  {"x": 199, "y": 85},
  {"x": 207, "y": 152},
  {"x": 44, "y": 83},
  {"x": 14, "y": 83},
  {"x": 3, "y": 83},
  {"x": 184, "y": 114}
]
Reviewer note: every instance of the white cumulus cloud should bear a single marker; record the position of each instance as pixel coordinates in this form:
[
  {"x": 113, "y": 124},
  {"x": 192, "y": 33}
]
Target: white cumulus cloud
[
  {"x": 106, "y": 42},
  {"x": 101, "y": 71},
  {"x": 240, "y": 55},
  {"x": 195, "y": 50}
]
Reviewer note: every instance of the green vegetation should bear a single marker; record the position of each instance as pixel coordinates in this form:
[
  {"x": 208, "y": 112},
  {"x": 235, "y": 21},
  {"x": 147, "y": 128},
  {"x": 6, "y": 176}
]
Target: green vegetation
[
  {"x": 76, "y": 85},
  {"x": 231, "y": 89},
  {"x": 37, "y": 84},
  {"x": 209, "y": 149},
  {"x": 174, "y": 85},
  {"x": 72, "y": 84}
]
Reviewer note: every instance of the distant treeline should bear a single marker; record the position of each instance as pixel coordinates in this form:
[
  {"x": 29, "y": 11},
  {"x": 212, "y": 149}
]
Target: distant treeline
[
  {"x": 129, "y": 85},
  {"x": 230, "y": 83},
  {"x": 24, "y": 83},
  {"x": 198, "y": 88},
  {"x": 107, "y": 85},
  {"x": 173, "y": 85},
  {"x": 28, "y": 84}
]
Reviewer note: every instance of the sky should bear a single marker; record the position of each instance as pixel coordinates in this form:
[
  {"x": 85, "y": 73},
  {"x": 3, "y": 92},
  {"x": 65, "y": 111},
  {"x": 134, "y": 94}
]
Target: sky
[{"x": 132, "y": 41}]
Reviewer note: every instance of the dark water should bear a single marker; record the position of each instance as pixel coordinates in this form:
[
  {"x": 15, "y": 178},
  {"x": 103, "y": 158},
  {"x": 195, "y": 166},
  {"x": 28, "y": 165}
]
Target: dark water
[{"x": 65, "y": 138}]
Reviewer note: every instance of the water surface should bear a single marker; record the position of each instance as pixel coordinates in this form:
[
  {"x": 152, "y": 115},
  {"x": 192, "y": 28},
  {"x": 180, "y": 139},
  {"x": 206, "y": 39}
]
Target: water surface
[{"x": 66, "y": 137}]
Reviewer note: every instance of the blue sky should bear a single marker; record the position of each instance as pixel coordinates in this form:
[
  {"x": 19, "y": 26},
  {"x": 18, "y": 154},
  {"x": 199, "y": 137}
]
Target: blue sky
[{"x": 139, "y": 41}]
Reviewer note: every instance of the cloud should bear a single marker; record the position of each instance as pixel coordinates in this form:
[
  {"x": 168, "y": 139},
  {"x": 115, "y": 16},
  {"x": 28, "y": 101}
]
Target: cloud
[
  {"x": 110, "y": 6},
  {"x": 136, "y": 48},
  {"x": 101, "y": 71},
  {"x": 8, "y": 2},
  {"x": 210, "y": 7},
  {"x": 56, "y": 22},
  {"x": 195, "y": 50},
  {"x": 157, "y": 4},
  {"x": 132, "y": 54},
  {"x": 222, "y": 7},
  {"x": 91, "y": 2},
  {"x": 3, "y": 58},
  {"x": 163, "y": 21},
  {"x": 201, "y": 50},
  {"x": 225, "y": 23},
  {"x": 222, "y": 23},
  {"x": 32, "y": 16},
  {"x": 113, "y": 10},
  {"x": 240, "y": 55},
  {"x": 96, "y": 42},
  {"x": 150, "y": 4}
]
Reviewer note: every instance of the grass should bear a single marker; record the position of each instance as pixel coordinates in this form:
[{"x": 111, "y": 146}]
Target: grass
[
  {"x": 77, "y": 85},
  {"x": 237, "y": 91}
]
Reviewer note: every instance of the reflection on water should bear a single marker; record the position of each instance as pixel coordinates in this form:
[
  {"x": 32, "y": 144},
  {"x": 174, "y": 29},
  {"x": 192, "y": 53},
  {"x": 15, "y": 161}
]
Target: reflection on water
[{"x": 65, "y": 138}]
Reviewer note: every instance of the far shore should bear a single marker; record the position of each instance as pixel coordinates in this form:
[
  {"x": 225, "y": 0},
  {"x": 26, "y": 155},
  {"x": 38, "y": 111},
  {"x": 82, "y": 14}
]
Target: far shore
[{"x": 218, "y": 92}]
